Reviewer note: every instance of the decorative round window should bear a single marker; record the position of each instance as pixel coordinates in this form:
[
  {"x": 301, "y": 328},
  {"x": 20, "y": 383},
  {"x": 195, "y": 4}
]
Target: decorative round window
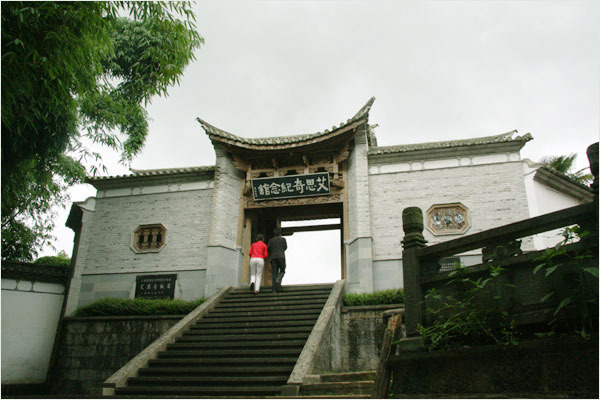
[
  {"x": 149, "y": 238},
  {"x": 448, "y": 219}
]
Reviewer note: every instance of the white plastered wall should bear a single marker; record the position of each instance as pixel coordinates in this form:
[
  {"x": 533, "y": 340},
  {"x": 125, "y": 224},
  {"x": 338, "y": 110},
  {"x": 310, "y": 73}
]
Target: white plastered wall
[{"x": 30, "y": 316}]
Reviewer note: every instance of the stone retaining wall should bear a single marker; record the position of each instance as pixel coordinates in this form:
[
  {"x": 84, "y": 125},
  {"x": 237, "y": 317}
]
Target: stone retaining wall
[
  {"x": 362, "y": 336},
  {"x": 92, "y": 349},
  {"x": 359, "y": 331}
]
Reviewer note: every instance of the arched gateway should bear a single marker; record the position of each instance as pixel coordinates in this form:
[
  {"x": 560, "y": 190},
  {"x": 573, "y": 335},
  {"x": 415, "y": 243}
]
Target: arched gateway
[{"x": 186, "y": 232}]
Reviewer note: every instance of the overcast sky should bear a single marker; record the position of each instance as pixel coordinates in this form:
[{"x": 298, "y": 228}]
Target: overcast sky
[{"x": 440, "y": 70}]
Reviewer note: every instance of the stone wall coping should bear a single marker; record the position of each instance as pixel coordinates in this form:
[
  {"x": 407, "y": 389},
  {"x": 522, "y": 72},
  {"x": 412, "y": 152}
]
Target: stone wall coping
[
  {"x": 120, "y": 377},
  {"x": 35, "y": 272},
  {"x": 306, "y": 360},
  {"x": 153, "y": 177},
  {"x": 378, "y": 307},
  {"x": 503, "y": 143}
]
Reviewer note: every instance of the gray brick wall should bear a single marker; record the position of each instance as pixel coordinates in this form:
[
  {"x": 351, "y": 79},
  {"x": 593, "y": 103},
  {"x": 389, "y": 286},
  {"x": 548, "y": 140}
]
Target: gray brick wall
[
  {"x": 108, "y": 235},
  {"x": 225, "y": 203},
  {"x": 224, "y": 261},
  {"x": 359, "y": 189},
  {"x": 494, "y": 194}
]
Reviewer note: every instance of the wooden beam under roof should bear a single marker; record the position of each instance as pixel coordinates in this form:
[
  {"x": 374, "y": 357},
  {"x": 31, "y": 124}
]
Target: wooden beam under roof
[{"x": 314, "y": 228}]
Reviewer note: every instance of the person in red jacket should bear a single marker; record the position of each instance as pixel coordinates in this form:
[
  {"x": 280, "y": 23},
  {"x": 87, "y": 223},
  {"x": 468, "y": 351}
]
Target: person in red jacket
[{"x": 258, "y": 253}]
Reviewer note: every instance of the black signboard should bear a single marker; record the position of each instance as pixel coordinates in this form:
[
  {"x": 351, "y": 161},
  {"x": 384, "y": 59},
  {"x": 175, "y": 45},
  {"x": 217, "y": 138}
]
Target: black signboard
[
  {"x": 284, "y": 187},
  {"x": 155, "y": 286}
]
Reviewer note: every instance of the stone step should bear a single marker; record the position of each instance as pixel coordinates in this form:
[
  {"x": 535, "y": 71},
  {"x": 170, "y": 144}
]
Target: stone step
[
  {"x": 244, "y": 352},
  {"x": 207, "y": 325},
  {"x": 249, "y": 396},
  {"x": 252, "y": 298},
  {"x": 216, "y": 371},
  {"x": 289, "y": 288},
  {"x": 242, "y": 337},
  {"x": 256, "y": 361},
  {"x": 211, "y": 319},
  {"x": 341, "y": 388},
  {"x": 271, "y": 303},
  {"x": 265, "y": 313},
  {"x": 280, "y": 344},
  {"x": 207, "y": 380},
  {"x": 267, "y": 307},
  {"x": 199, "y": 390},
  {"x": 240, "y": 331}
]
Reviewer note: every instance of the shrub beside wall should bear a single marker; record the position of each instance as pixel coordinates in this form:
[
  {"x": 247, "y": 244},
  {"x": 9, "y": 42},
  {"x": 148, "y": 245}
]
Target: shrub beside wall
[
  {"x": 122, "y": 307},
  {"x": 380, "y": 297}
]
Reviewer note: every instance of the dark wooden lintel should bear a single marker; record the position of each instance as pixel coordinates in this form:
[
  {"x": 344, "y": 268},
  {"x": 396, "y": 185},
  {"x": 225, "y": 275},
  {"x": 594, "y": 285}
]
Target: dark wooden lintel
[{"x": 313, "y": 228}]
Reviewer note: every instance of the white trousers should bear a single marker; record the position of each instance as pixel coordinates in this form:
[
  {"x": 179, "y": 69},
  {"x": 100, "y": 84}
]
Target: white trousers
[{"x": 256, "y": 270}]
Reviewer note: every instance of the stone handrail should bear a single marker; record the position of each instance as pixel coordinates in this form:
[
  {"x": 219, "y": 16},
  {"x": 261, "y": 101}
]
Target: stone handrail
[
  {"x": 119, "y": 378},
  {"x": 306, "y": 360}
]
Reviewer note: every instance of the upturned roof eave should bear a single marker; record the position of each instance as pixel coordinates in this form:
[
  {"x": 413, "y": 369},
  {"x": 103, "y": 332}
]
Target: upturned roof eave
[{"x": 276, "y": 143}]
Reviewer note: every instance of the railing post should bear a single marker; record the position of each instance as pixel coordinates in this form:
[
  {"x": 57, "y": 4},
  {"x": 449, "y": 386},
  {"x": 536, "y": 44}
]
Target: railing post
[
  {"x": 592, "y": 154},
  {"x": 412, "y": 223}
]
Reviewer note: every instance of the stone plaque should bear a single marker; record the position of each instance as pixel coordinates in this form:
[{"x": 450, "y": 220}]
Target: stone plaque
[
  {"x": 448, "y": 219},
  {"x": 155, "y": 286},
  {"x": 285, "y": 187},
  {"x": 448, "y": 263}
]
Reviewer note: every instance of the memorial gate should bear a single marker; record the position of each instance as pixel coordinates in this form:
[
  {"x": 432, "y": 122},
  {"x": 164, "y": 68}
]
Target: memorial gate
[{"x": 195, "y": 225}]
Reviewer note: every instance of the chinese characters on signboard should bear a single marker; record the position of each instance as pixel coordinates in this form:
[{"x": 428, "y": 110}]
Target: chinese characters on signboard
[
  {"x": 283, "y": 187},
  {"x": 155, "y": 286}
]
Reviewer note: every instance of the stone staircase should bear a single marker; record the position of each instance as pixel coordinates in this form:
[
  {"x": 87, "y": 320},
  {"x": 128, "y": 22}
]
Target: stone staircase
[{"x": 246, "y": 346}]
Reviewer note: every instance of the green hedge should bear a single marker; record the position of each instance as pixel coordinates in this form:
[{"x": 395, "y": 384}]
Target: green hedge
[
  {"x": 388, "y": 296},
  {"x": 119, "y": 307},
  {"x": 59, "y": 260}
]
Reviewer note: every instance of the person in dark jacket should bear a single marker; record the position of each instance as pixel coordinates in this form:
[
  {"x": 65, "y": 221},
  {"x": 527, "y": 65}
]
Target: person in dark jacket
[{"x": 277, "y": 246}]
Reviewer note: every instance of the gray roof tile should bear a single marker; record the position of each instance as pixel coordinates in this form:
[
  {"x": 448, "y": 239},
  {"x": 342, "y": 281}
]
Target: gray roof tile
[{"x": 503, "y": 138}]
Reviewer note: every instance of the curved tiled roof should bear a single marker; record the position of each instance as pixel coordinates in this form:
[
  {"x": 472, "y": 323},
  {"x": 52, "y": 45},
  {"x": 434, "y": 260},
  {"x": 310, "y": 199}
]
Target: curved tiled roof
[
  {"x": 221, "y": 135},
  {"x": 503, "y": 138},
  {"x": 138, "y": 173}
]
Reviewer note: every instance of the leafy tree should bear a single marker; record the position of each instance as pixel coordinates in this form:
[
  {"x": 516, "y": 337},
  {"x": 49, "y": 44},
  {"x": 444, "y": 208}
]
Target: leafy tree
[
  {"x": 77, "y": 72},
  {"x": 564, "y": 165},
  {"x": 61, "y": 259}
]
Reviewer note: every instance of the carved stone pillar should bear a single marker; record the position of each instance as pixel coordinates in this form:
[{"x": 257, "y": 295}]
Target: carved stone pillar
[{"x": 412, "y": 222}]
